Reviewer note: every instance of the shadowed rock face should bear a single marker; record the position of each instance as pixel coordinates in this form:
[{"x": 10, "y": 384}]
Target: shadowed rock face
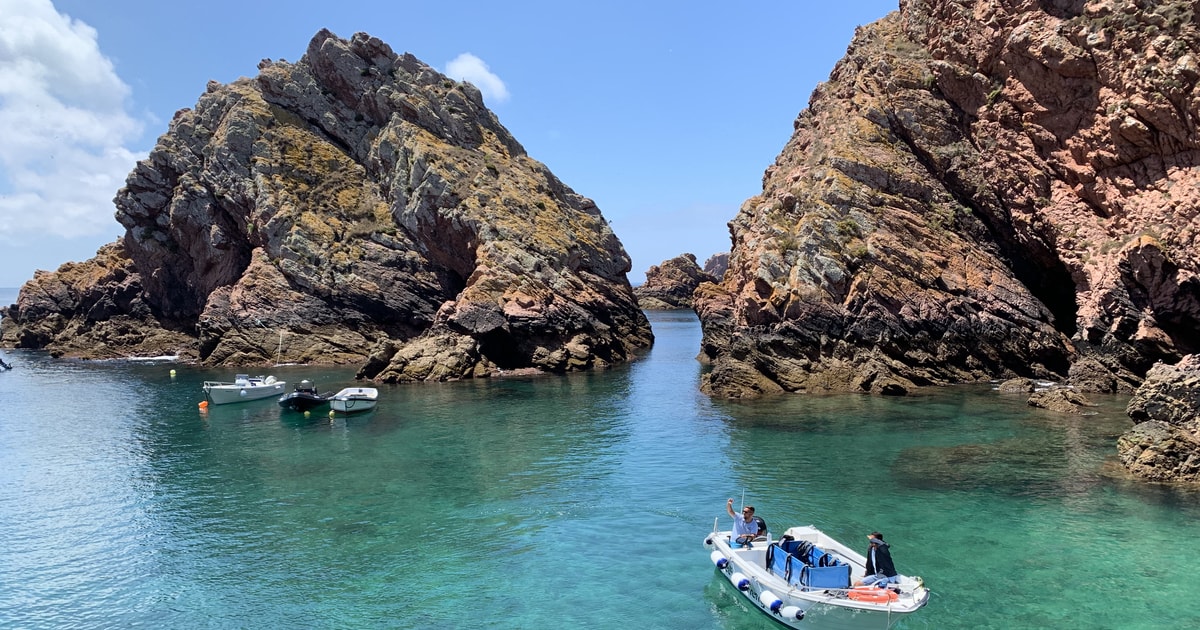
[
  {"x": 356, "y": 203},
  {"x": 981, "y": 190}
]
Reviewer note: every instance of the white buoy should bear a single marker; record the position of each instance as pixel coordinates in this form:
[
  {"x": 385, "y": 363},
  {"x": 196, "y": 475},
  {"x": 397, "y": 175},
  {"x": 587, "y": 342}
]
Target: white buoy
[
  {"x": 740, "y": 581},
  {"x": 172, "y": 373},
  {"x": 769, "y": 600},
  {"x": 792, "y": 612}
]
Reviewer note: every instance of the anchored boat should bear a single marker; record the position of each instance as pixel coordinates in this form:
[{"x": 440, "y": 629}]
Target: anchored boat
[
  {"x": 303, "y": 398},
  {"x": 805, "y": 579},
  {"x": 354, "y": 399},
  {"x": 244, "y": 387}
]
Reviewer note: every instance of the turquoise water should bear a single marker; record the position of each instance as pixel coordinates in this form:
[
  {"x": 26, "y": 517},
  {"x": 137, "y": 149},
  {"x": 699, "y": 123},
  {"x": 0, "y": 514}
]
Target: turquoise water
[{"x": 554, "y": 502}]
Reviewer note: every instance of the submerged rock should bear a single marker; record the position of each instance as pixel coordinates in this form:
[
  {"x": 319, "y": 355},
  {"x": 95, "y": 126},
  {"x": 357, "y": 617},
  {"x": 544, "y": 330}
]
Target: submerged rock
[
  {"x": 1060, "y": 399},
  {"x": 353, "y": 204},
  {"x": 980, "y": 190}
]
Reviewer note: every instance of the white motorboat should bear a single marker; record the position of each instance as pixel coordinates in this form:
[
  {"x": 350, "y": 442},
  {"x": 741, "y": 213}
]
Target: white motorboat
[
  {"x": 354, "y": 399},
  {"x": 244, "y": 387},
  {"x": 805, "y": 579}
]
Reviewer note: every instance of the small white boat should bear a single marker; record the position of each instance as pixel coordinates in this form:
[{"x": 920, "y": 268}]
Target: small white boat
[
  {"x": 805, "y": 580},
  {"x": 354, "y": 399},
  {"x": 244, "y": 387}
]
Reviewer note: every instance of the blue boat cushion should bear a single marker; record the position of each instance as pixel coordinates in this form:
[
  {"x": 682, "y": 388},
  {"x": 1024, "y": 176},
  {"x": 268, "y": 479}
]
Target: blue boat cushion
[
  {"x": 796, "y": 569},
  {"x": 837, "y": 576},
  {"x": 805, "y": 565},
  {"x": 777, "y": 561},
  {"x": 798, "y": 548},
  {"x": 818, "y": 557}
]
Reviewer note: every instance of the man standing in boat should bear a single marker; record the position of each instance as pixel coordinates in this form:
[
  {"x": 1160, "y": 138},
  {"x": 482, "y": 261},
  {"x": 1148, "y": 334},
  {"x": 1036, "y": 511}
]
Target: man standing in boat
[
  {"x": 880, "y": 569},
  {"x": 745, "y": 528}
]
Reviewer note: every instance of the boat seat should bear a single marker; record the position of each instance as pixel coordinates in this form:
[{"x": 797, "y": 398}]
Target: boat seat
[
  {"x": 835, "y": 576},
  {"x": 798, "y": 548},
  {"x": 764, "y": 534},
  {"x": 777, "y": 561}
]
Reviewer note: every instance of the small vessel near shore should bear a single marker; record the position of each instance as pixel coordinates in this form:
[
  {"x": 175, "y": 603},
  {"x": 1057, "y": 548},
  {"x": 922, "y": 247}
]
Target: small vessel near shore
[
  {"x": 354, "y": 399},
  {"x": 304, "y": 398},
  {"x": 244, "y": 387},
  {"x": 805, "y": 579}
]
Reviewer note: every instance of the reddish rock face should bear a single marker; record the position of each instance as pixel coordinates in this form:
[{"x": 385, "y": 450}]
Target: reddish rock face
[
  {"x": 356, "y": 203},
  {"x": 981, "y": 190},
  {"x": 670, "y": 285}
]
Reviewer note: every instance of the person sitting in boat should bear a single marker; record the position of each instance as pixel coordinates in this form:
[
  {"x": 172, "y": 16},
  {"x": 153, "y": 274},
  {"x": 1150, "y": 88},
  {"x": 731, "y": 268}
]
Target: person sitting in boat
[
  {"x": 880, "y": 569},
  {"x": 745, "y": 528}
]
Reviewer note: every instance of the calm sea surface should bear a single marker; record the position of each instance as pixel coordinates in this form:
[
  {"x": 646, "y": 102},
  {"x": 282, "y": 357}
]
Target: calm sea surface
[{"x": 554, "y": 502}]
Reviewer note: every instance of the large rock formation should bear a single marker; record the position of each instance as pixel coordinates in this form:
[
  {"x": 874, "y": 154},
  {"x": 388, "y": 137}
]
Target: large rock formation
[
  {"x": 981, "y": 190},
  {"x": 670, "y": 285},
  {"x": 717, "y": 265},
  {"x": 1164, "y": 445},
  {"x": 354, "y": 204}
]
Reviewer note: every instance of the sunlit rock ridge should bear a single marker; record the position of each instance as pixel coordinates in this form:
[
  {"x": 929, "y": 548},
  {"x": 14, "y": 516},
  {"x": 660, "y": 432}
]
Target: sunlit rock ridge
[
  {"x": 353, "y": 207},
  {"x": 982, "y": 189}
]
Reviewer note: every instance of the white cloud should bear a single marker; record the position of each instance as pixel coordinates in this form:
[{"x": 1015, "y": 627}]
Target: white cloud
[
  {"x": 63, "y": 112},
  {"x": 468, "y": 67}
]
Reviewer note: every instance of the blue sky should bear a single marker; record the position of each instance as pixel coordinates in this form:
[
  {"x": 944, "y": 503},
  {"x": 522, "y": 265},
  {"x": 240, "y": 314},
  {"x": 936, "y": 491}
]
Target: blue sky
[{"x": 665, "y": 113}]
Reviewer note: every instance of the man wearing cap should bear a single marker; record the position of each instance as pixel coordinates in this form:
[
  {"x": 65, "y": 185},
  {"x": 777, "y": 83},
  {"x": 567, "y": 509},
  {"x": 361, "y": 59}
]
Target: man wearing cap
[{"x": 880, "y": 569}]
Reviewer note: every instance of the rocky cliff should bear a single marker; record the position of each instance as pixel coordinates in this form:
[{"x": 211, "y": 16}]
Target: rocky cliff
[
  {"x": 355, "y": 204},
  {"x": 670, "y": 285},
  {"x": 982, "y": 189},
  {"x": 717, "y": 265}
]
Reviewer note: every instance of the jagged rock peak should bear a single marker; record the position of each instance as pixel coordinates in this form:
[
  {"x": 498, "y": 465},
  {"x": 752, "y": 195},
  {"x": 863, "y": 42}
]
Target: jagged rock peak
[
  {"x": 669, "y": 286},
  {"x": 717, "y": 265},
  {"x": 980, "y": 190},
  {"x": 356, "y": 206}
]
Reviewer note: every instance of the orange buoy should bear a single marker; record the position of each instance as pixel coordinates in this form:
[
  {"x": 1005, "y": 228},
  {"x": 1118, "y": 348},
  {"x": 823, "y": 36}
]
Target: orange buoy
[
  {"x": 204, "y": 404},
  {"x": 872, "y": 595}
]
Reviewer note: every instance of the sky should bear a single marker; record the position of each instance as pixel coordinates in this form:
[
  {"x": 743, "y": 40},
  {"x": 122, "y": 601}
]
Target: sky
[{"x": 664, "y": 113}]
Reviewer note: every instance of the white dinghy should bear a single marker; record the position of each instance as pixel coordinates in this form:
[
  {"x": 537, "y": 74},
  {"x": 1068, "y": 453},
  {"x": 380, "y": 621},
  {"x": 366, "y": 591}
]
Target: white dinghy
[
  {"x": 805, "y": 580},
  {"x": 354, "y": 399}
]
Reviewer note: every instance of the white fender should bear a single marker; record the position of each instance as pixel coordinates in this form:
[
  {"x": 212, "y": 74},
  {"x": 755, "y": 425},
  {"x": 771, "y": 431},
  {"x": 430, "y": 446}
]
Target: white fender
[
  {"x": 739, "y": 580},
  {"x": 769, "y": 600},
  {"x": 719, "y": 559},
  {"x": 792, "y": 612}
]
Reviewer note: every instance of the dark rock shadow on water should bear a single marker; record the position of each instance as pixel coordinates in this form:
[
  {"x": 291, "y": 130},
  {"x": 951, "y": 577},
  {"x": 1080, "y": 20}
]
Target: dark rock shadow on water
[
  {"x": 1008, "y": 467},
  {"x": 1174, "y": 496}
]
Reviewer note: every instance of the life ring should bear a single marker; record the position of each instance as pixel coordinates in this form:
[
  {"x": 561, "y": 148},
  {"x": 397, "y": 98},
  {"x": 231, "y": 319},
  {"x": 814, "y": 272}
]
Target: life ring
[{"x": 872, "y": 595}]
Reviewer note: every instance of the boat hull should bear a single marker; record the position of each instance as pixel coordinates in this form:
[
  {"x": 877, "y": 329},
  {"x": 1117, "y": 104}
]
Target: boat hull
[
  {"x": 219, "y": 393},
  {"x": 813, "y": 607},
  {"x": 354, "y": 400},
  {"x": 298, "y": 401}
]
